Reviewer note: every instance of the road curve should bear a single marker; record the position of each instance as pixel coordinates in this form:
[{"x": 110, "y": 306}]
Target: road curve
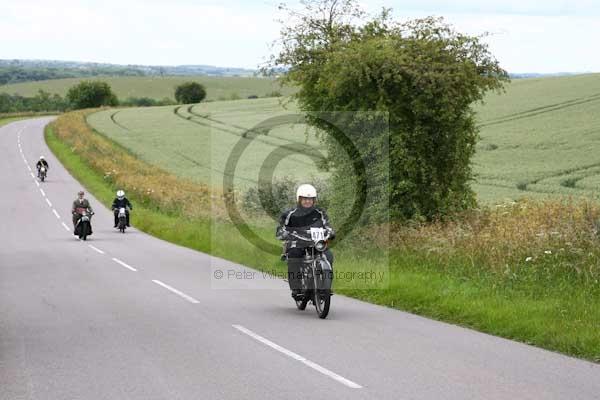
[{"x": 134, "y": 317}]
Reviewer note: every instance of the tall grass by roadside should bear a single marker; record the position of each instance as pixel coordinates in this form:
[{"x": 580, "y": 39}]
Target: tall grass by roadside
[
  {"x": 550, "y": 240},
  {"x": 150, "y": 185},
  {"x": 526, "y": 271}
]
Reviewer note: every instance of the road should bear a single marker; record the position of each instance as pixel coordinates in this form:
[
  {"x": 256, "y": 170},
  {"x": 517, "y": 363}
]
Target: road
[{"x": 133, "y": 317}]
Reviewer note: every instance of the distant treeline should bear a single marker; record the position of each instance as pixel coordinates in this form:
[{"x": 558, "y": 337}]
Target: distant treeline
[
  {"x": 526, "y": 75},
  {"x": 47, "y": 102},
  {"x": 15, "y": 71},
  {"x": 44, "y": 101},
  {"x": 19, "y": 74}
]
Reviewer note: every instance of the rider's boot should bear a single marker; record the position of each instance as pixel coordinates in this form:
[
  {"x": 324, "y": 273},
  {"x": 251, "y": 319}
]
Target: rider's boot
[{"x": 294, "y": 275}]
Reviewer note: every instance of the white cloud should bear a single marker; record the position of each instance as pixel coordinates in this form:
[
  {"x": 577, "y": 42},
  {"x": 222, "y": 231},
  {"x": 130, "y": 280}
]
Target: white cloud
[{"x": 550, "y": 36}]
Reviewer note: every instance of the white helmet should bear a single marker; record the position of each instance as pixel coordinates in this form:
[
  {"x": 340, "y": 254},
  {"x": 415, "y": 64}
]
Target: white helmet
[
  {"x": 41, "y": 157},
  {"x": 120, "y": 194},
  {"x": 306, "y": 190}
]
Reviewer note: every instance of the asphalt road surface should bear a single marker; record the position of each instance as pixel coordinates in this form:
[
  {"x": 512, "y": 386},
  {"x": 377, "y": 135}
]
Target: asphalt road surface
[{"x": 133, "y": 317}]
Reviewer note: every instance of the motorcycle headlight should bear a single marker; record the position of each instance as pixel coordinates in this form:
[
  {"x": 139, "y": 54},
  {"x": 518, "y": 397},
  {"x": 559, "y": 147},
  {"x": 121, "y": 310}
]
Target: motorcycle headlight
[{"x": 321, "y": 245}]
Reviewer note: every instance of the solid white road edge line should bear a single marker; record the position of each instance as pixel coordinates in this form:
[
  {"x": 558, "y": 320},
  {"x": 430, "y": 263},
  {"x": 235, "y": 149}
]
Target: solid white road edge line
[
  {"x": 97, "y": 250},
  {"x": 55, "y": 213},
  {"x": 66, "y": 227},
  {"x": 48, "y": 201},
  {"x": 177, "y": 292},
  {"x": 298, "y": 357},
  {"x": 123, "y": 264}
]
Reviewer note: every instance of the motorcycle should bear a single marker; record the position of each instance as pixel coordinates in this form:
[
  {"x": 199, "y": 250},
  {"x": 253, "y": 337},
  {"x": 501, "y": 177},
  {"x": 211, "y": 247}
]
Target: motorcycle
[
  {"x": 42, "y": 173},
  {"x": 122, "y": 218},
  {"x": 316, "y": 271},
  {"x": 83, "y": 229}
]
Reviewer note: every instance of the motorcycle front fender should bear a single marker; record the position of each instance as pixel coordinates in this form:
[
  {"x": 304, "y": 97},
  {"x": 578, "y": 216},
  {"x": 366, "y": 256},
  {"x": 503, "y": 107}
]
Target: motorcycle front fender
[{"x": 324, "y": 273}]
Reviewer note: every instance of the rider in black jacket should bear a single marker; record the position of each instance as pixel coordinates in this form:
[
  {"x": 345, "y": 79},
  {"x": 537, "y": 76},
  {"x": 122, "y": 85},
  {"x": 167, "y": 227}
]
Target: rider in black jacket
[
  {"x": 41, "y": 163},
  {"x": 304, "y": 215},
  {"x": 121, "y": 202}
]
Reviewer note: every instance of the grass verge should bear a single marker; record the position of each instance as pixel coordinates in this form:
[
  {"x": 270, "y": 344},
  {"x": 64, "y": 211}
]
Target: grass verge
[{"x": 549, "y": 310}]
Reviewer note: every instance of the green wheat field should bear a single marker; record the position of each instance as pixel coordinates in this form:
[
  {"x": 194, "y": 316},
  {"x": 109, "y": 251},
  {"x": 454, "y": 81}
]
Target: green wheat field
[{"x": 540, "y": 138}]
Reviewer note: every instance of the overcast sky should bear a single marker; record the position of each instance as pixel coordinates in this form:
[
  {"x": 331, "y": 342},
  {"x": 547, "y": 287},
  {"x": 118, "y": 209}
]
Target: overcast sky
[{"x": 528, "y": 36}]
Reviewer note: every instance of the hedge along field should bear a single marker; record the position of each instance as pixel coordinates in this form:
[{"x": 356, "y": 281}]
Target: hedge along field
[
  {"x": 527, "y": 271},
  {"x": 218, "y": 88}
]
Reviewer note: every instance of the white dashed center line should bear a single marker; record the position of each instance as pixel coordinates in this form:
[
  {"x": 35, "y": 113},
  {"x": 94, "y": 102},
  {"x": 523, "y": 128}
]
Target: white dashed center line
[
  {"x": 177, "y": 292},
  {"x": 97, "y": 250},
  {"x": 48, "y": 201},
  {"x": 66, "y": 227},
  {"x": 298, "y": 357},
  {"x": 55, "y": 213},
  {"x": 42, "y": 192},
  {"x": 124, "y": 265}
]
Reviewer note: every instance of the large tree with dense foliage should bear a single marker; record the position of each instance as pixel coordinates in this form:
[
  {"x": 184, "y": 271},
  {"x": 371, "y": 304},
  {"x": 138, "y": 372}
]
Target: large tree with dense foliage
[
  {"x": 91, "y": 94},
  {"x": 190, "y": 92},
  {"x": 422, "y": 74}
]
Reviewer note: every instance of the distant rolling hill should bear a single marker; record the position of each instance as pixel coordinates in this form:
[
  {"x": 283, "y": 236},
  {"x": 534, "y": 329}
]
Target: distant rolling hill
[{"x": 16, "y": 71}]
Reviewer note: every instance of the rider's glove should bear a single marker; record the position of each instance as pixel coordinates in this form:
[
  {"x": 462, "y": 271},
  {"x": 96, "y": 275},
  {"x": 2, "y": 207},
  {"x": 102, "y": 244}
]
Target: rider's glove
[
  {"x": 331, "y": 233},
  {"x": 282, "y": 234}
]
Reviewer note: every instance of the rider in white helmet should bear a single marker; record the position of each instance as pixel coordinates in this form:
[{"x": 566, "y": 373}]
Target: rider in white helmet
[
  {"x": 121, "y": 202},
  {"x": 304, "y": 215},
  {"x": 41, "y": 163}
]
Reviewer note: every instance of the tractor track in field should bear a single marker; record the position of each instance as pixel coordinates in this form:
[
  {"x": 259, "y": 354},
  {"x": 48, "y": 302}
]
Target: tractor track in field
[
  {"x": 530, "y": 190},
  {"x": 241, "y": 128},
  {"x": 176, "y": 112},
  {"x": 567, "y": 172},
  {"x": 556, "y": 175},
  {"x": 114, "y": 120},
  {"x": 260, "y": 139},
  {"x": 540, "y": 110},
  {"x": 204, "y": 166}
]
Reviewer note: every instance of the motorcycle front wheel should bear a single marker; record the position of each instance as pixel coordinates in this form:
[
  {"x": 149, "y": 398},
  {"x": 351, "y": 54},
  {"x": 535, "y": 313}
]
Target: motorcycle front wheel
[{"x": 322, "y": 300}]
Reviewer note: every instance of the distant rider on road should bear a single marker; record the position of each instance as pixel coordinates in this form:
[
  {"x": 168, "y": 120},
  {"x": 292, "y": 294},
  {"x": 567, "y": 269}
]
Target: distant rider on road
[
  {"x": 121, "y": 202},
  {"x": 41, "y": 163},
  {"x": 80, "y": 204}
]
